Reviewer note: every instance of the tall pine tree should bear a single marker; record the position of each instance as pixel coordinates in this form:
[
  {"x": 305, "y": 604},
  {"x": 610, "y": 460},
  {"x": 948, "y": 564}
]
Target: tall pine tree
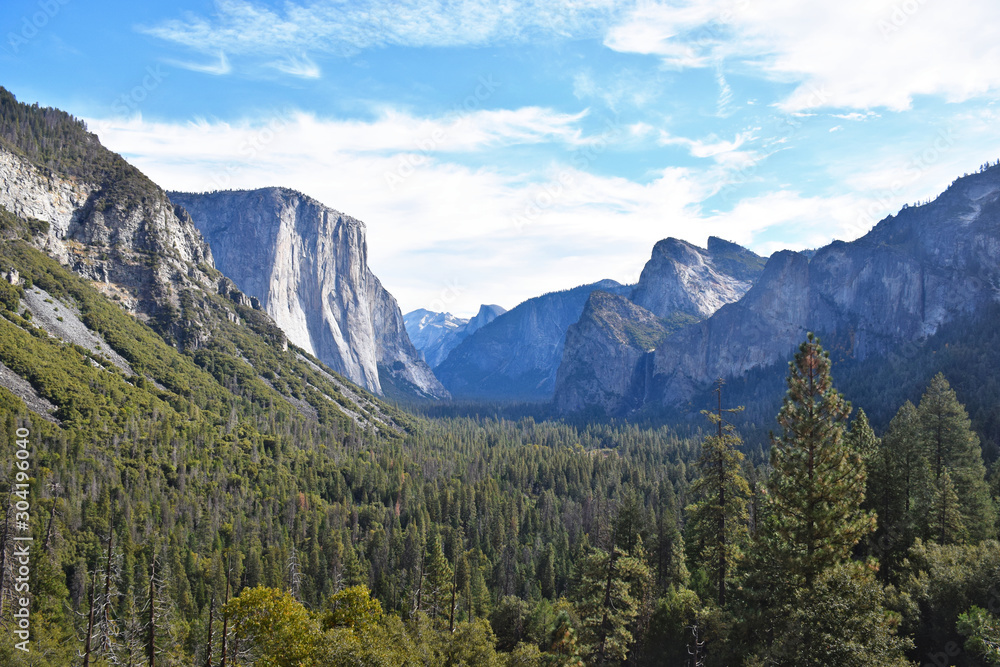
[
  {"x": 818, "y": 483},
  {"x": 951, "y": 446},
  {"x": 719, "y": 514}
]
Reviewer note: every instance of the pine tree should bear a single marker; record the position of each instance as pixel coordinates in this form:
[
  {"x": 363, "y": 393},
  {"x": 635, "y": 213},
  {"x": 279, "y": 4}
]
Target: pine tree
[
  {"x": 951, "y": 446},
  {"x": 862, "y": 439},
  {"x": 946, "y": 520},
  {"x": 437, "y": 577},
  {"x": 898, "y": 473},
  {"x": 608, "y": 593},
  {"x": 668, "y": 546},
  {"x": 818, "y": 483},
  {"x": 719, "y": 514}
]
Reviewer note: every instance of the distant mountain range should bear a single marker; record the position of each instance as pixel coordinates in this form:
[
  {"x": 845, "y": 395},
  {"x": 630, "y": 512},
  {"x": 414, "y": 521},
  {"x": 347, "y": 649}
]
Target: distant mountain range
[
  {"x": 437, "y": 334},
  {"x": 517, "y": 356}
]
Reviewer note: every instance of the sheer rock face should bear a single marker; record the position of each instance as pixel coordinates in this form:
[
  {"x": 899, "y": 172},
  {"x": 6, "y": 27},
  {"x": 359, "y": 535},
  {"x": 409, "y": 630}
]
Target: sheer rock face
[
  {"x": 606, "y": 358},
  {"x": 308, "y": 266},
  {"x": 897, "y": 284},
  {"x": 437, "y": 334},
  {"x": 683, "y": 278},
  {"x": 136, "y": 246},
  {"x": 607, "y": 361}
]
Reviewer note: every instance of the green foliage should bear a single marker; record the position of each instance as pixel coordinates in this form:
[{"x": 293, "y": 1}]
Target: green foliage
[
  {"x": 818, "y": 482},
  {"x": 983, "y": 632},
  {"x": 718, "y": 517},
  {"x": 609, "y": 592},
  {"x": 840, "y": 621},
  {"x": 950, "y": 446},
  {"x": 276, "y": 626},
  {"x": 938, "y": 584}
]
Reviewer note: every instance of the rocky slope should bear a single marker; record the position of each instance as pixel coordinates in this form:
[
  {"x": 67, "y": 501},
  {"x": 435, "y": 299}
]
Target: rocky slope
[
  {"x": 683, "y": 278},
  {"x": 516, "y": 356},
  {"x": 437, "y": 334},
  {"x": 607, "y": 356},
  {"x": 99, "y": 215},
  {"x": 607, "y": 360},
  {"x": 308, "y": 266},
  {"x": 897, "y": 285}
]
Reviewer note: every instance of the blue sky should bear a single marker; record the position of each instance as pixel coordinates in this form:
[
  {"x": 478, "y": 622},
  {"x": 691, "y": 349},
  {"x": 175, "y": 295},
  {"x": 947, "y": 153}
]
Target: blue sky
[{"x": 499, "y": 150}]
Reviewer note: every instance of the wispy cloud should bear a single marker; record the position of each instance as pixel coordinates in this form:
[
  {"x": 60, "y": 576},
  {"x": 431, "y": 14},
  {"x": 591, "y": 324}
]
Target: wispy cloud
[
  {"x": 341, "y": 28},
  {"x": 435, "y": 226},
  {"x": 712, "y": 147},
  {"x": 302, "y": 67},
  {"x": 218, "y": 68}
]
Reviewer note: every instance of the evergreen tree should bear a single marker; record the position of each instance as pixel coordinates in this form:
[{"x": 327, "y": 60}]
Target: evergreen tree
[
  {"x": 951, "y": 446},
  {"x": 667, "y": 550},
  {"x": 946, "y": 522},
  {"x": 818, "y": 483},
  {"x": 840, "y": 621},
  {"x": 718, "y": 517},
  {"x": 608, "y": 594},
  {"x": 437, "y": 578},
  {"x": 897, "y": 477},
  {"x": 862, "y": 439}
]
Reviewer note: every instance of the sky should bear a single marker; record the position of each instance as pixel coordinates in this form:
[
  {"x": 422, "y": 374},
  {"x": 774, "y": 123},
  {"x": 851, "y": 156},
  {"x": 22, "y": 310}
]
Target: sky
[{"x": 497, "y": 150}]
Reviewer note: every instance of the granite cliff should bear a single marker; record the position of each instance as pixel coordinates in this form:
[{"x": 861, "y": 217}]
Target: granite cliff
[
  {"x": 608, "y": 357},
  {"x": 104, "y": 219},
  {"x": 895, "y": 286},
  {"x": 516, "y": 356},
  {"x": 308, "y": 266}
]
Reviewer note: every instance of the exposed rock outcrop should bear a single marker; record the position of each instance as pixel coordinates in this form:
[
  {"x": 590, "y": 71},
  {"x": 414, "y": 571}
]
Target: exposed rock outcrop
[
  {"x": 607, "y": 356},
  {"x": 899, "y": 283},
  {"x": 607, "y": 362},
  {"x": 308, "y": 266},
  {"x": 125, "y": 235},
  {"x": 683, "y": 278}
]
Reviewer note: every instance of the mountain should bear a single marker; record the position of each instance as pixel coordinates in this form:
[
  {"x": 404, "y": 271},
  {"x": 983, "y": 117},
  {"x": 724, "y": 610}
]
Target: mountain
[
  {"x": 890, "y": 290},
  {"x": 437, "y": 334},
  {"x": 114, "y": 310},
  {"x": 308, "y": 266},
  {"x": 101, "y": 217},
  {"x": 683, "y": 278},
  {"x": 612, "y": 342},
  {"x": 607, "y": 359},
  {"x": 516, "y": 356}
]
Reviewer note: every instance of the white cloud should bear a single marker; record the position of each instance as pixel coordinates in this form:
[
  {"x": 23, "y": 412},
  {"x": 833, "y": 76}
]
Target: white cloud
[
  {"x": 342, "y": 28},
  {"x": 500, "y": 235},
  {"x": 848, "y": 54},
  {"x": 217, "y": 69},
  {"x": 443, "y": 225},
  {"x": 722, "y": 151},
  {"x": 302, "y": 67}
]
